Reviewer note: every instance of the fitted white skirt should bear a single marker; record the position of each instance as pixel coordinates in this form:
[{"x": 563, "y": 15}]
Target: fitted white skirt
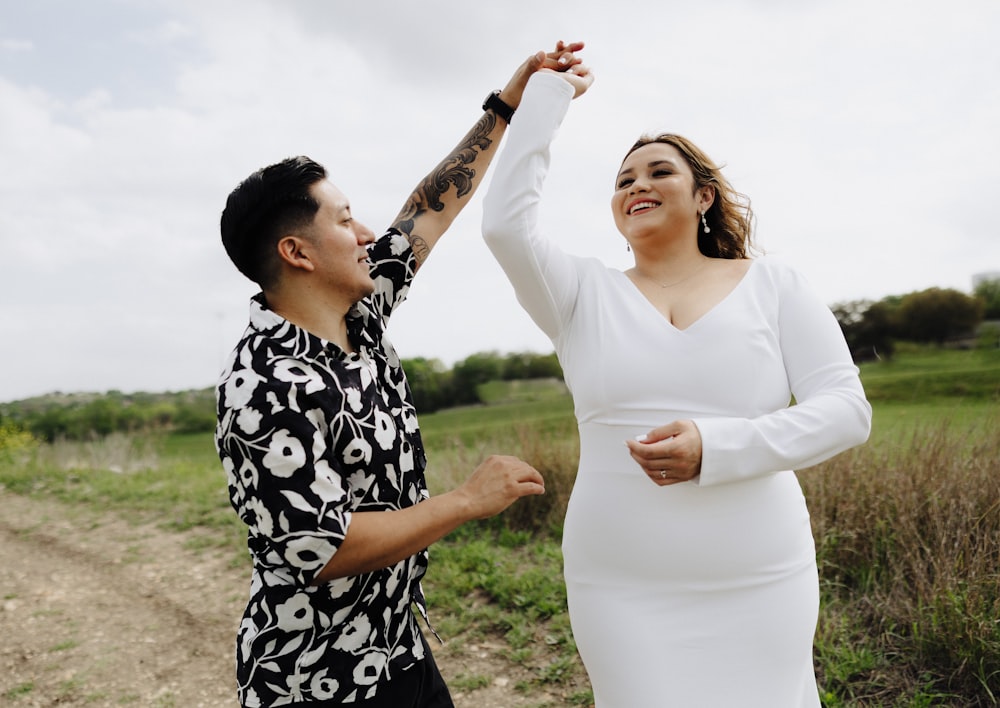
[{"x": 686, "y": 595}]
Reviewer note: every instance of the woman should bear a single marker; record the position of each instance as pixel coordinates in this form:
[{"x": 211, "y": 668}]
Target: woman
[{"x": 689, "y": 559}]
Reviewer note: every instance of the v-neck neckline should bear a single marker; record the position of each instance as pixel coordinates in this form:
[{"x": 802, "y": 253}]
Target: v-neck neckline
[{"x": 638, "y": 293}]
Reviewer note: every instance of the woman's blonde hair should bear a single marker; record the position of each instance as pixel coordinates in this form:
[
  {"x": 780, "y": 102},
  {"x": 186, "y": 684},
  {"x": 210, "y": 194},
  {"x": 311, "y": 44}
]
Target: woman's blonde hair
[{"x": 730, "y": 218}]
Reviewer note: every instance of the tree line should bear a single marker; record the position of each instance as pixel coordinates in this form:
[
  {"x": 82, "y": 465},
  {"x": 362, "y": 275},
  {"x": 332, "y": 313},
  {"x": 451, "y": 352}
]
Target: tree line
[
  {"x": 82, "y": 416},
  {"x": 938, "y": 316},
  {"x": 88, "y": 415}
]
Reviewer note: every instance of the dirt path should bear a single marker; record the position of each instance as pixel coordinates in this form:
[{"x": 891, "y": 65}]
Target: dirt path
[{"x": 97, "y": 611}]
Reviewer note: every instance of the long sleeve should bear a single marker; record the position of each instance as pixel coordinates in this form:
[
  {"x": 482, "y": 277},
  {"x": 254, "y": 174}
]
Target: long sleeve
[
  {"x": 830, "y": 415},
  {"x": 543, "y": 277}
]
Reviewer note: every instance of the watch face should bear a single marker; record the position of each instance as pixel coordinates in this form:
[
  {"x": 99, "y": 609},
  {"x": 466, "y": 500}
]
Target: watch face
[{"x": 496, "y": 104}]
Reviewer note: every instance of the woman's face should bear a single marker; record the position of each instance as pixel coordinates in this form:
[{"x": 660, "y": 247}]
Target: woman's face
[{"x": 654, "y": 194}]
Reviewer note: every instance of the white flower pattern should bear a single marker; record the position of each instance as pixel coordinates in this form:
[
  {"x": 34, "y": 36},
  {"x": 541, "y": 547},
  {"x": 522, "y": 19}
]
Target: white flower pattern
[
  {"x": 296, "y": 613},
  {"x": 249, "y": 420},
  {"x": 285, "y": 455}
]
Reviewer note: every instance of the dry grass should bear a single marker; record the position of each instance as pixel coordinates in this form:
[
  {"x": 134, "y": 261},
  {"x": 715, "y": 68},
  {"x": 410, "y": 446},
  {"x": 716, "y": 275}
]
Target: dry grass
[
  {"x": 554, "y": 455},
  {"x": 117, "y": 452},
  {"x": 908, "y": 540}
]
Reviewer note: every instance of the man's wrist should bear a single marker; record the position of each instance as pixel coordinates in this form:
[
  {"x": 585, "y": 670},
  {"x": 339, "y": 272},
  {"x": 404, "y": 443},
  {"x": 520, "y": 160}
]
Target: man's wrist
[{"x": 496, "y": 104}]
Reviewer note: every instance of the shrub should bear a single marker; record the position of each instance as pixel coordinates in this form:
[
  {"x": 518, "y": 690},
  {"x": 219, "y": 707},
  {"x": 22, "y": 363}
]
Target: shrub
[{"x": 15, "y": 442}]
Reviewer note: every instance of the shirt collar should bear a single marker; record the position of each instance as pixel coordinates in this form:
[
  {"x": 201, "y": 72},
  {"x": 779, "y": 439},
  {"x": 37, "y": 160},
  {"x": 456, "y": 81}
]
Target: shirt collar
[{"x": 266, "y": 321}]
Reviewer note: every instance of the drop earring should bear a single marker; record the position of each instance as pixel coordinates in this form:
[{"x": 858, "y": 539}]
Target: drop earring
[
  {"x": 704, "y": 223},
  {"x": 628, "y": 246}
]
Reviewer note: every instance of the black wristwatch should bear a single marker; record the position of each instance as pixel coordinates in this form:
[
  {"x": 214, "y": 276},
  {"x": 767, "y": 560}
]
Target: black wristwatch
[{"x": 496, "y": 104}]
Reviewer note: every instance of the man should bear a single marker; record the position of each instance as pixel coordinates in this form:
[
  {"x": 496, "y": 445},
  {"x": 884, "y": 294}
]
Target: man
[{"x": 319, "y": 437}]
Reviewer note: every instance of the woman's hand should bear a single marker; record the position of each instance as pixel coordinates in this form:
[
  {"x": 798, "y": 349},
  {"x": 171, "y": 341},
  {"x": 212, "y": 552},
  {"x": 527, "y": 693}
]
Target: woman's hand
[
  {"x": 568, "y": 65},
  {"x": 669, "y": 454},
  {"x": 564, "y": 57},
  {"x": 578, "y": 76}
]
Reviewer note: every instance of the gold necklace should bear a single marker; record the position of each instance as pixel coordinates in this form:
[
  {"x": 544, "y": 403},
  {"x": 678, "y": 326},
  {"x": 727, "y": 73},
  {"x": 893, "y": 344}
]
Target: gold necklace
[{"x": 676, "y": 282}]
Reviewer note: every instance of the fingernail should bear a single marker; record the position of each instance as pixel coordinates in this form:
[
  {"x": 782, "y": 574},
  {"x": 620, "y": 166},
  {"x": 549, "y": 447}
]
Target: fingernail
[{"x": 640, "y": 438}]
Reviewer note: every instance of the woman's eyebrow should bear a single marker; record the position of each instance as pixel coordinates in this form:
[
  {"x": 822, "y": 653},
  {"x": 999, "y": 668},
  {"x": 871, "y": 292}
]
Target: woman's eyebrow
[{"x": 649, "y": 165}]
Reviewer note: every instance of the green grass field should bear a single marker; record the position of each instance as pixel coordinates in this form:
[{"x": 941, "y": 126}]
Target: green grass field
[
  {"x": 907, "y": 528},
  {"x": 923, "y": 375}
]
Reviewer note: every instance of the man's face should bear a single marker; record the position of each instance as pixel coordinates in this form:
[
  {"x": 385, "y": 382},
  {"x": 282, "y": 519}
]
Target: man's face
[{"x": 339, "y": 244}]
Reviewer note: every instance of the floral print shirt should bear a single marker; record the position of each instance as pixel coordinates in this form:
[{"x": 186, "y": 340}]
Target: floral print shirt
[{"x": 308, "y": 434}]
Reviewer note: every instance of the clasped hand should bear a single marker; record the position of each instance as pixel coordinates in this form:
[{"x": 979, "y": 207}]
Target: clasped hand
[
  {"x": 562, "y": 60},
  {"x": 669, "y": 454}
]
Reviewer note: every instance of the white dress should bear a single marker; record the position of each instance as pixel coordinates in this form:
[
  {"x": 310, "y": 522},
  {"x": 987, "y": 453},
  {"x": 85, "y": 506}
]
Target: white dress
[{"x": 703, "y": 593}]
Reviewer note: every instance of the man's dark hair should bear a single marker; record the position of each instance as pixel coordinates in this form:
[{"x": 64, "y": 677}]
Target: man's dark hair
[{"x": 264, "y": 207}]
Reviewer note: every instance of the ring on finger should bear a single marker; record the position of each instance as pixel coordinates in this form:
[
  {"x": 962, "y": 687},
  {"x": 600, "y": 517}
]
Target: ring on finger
[{"x": 663, "y": 474}]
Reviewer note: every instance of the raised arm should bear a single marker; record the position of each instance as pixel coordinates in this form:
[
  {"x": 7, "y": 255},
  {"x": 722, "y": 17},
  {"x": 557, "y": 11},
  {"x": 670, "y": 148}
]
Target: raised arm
[
  {"x": 545, "y": 279},
  {"x": 444, "y": 192}
]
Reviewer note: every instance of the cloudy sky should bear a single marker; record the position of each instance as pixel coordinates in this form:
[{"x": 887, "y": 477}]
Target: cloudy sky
[{"x": 865, "y": 132}]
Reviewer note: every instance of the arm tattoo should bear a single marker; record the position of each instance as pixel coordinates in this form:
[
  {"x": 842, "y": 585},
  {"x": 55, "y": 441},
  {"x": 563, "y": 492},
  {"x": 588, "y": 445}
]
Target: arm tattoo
[
  {"x": 456, "y": 169},
  {"x": 419, "y": 246}
]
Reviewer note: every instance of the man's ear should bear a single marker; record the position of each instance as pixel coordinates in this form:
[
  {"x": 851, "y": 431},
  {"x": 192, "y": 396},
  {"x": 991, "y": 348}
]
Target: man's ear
[{"x": 294, "y": 251}]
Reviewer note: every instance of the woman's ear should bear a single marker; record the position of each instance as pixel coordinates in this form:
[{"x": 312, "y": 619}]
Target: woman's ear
[
  {"x": 705, "y": 197},
  {"x": 294, "y": 252}
]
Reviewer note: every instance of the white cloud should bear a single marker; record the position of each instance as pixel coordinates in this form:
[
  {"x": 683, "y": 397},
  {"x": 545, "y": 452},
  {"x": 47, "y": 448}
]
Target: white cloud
[{"x": 16, "y": 45}]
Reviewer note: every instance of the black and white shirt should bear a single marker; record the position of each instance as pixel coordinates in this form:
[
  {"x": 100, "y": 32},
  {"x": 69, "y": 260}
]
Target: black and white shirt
[{"x": 309, "y": 434}]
